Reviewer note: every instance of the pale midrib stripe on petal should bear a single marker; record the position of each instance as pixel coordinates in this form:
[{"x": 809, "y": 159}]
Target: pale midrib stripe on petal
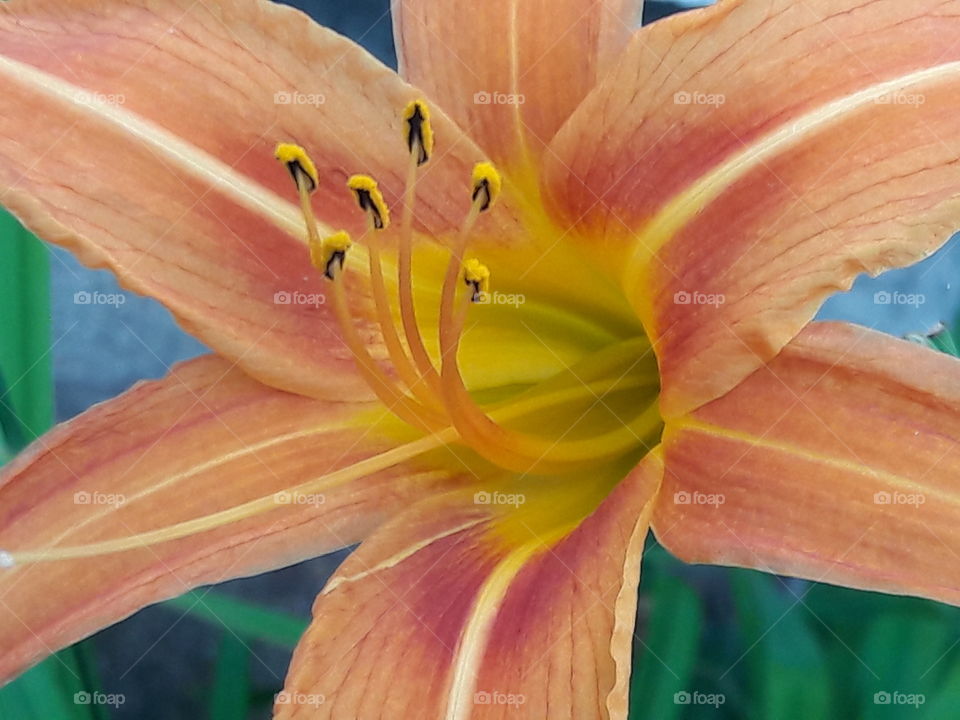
[
  {"x": 686, "y": 205},
  {"x": 399, "y": 557},
  {"x": 251, "y": 508},
  {"x": 742, "y": 437},
  {"x": 476, "y": 633},
  {"x": 196, "y": 470},
  {"x": 180, "y": 153},
  {"x": 473, "y": 640}
]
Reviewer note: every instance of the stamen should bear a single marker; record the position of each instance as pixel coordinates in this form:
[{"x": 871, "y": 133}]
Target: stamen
[
  {"x": 435, "y": 395},
  {"x": 417, "y": 131},
  {"x": 329, "y": 256},
  {"x": 486, "y": 188},
  {"x": 420, "y": 144},
  {"x": 370, "y": 200},
  {"x": 386, "y": 389},
  {"x": 304, "y": 174},
  {"x": 299, "y": 164},
  {"x": 486, "y": 185}
]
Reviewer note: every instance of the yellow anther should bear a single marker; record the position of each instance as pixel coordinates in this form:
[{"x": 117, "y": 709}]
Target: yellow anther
[
  {"x": 476, "y": 275},
  {"x": 299, "y": 164},
  {"x": 486, "y": 185},
  {"x": 370, "y": 199},
  {"x": 328, "y": 255},
  {"x": 417, "y": 130}
]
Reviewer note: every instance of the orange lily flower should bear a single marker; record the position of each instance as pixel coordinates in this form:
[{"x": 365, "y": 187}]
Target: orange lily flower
[{"x": 649, "y": 220}]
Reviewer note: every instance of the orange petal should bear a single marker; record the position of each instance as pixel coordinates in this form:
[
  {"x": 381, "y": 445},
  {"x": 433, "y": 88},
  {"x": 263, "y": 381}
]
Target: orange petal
[
  {"x": 438, "y": 615},
  {"x": 510, "y": 72},
  {"x": 141, "y": 136},
  {"x": 737, "y": 201},
  {"x": 205, "y": 439},
  {"x": 837, "y": 462}
]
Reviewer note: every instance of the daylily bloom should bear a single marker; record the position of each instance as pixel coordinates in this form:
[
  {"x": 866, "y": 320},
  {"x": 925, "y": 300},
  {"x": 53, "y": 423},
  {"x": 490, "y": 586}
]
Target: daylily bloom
[{"x": 649, "y": 220}]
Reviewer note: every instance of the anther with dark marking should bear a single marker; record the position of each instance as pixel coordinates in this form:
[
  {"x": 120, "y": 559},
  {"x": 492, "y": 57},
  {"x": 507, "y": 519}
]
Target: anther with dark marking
[{"x": 418, "y": 131}]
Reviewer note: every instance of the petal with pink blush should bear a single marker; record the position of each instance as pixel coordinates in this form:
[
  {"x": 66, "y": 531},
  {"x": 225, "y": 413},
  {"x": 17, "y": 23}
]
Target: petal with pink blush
[{"x": 837, "y": 462}]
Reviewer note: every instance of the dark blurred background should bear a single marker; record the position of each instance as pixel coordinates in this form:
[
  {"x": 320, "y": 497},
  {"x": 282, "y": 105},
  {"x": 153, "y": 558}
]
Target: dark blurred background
[{"x": 163, "y": 659}]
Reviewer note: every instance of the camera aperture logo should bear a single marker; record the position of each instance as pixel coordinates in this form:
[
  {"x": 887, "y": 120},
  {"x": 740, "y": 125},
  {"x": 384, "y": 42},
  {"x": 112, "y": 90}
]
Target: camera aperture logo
[
  {"x": 114, "y": 700},
  {"x": 82, "y": 297},
  {"x": 284, "y": 297},
  {"x": 287, "y": 97},
  {"x": 498, "y": 498},
  {"x": 285, "y": 497},
  {"x": 500, "y": 298},
  {"x": 899, "y": 298},
  {"x": 684, "y": 697},
  {"x": 85, "y": 97},
  {"x": 498, "y": 98},
  {"x": 899, "y": 97},
  {"x": 82, "y": 497},
  {"x": 899, "y": 698},
  {"x": 884, "y": 497},
  {"x": 682, "y": 297},
  {"x": 683, "y": 497},
  {"x": 484, "y": 697},
  {"x": 685, "y": 97},
  {"x": 296, "y": 698}
]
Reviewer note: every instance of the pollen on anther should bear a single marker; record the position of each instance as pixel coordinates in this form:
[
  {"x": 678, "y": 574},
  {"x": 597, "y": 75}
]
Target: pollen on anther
[
  {"x": 476, "y": 276},
  {"x": 299, "y": 164},
  {"x": 417, "y": 130},
  {"x": 486, "y": 185},
  {"x": 333, "y": 254},
  {"x": 370, "y": 199}
]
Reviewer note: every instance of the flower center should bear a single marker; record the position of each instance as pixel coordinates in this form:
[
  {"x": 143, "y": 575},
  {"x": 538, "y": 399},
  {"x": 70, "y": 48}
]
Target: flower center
[
  {"x": 429, "y": 393},
  {"x": 598, "y": 413}
]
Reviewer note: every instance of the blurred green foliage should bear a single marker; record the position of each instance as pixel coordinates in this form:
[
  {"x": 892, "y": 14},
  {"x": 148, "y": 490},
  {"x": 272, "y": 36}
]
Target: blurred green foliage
[
  {"x": 52, "y": 688},
  {"x": 777, "y": 648}
]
